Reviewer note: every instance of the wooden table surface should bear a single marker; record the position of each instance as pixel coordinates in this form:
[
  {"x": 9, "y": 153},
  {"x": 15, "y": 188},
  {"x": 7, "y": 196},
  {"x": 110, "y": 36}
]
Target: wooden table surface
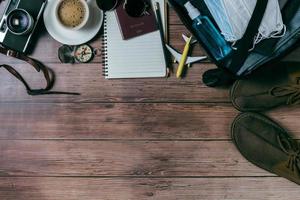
[{"x": 136, "y": 139}]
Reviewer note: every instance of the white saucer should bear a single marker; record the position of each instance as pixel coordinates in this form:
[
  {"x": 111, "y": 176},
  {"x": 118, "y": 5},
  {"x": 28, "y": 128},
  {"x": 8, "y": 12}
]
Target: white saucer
[{"x": 73, "y": 37}]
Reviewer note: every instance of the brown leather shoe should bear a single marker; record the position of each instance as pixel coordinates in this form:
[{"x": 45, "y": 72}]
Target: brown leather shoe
[
  {"x": 268, "y": 88},
  {"x": 267, "y": 145}
]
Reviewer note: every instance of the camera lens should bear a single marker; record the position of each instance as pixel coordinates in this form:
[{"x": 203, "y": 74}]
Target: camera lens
[{"x": 19, "y": 22}]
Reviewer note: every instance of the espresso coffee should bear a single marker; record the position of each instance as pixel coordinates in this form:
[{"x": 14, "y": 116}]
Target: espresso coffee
[{"x": 71, "y": 13}]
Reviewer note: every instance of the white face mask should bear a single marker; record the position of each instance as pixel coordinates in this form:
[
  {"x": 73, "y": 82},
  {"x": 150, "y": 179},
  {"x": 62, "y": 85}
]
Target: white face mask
[
  {"x": 272, "y": 24},
  {"x": 239, "y": 13},
  {"x": 217, "y": 10}
]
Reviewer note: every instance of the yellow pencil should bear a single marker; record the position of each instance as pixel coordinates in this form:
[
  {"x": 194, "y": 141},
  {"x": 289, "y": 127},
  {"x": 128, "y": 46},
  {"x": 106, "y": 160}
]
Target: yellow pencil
[{"x": 183, "y": 58}]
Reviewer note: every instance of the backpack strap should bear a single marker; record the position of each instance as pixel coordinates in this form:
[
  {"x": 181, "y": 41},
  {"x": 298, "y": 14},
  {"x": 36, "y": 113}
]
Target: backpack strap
[{"x": 243, "y": 45}]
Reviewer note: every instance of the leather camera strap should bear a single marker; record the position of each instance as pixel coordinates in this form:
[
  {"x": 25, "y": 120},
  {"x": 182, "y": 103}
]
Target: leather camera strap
[
  {"x": 48, "y": 73},
  {"x": 243, "y": 45}
]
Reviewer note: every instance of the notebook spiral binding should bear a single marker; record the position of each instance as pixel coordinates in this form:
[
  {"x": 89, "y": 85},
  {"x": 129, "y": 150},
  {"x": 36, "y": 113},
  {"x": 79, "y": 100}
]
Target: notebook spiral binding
[{"x": 104, "y": 49}]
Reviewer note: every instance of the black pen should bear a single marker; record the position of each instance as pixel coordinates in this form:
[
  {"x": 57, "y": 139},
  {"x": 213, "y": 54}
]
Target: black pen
[{"x": 161, "y": 30}]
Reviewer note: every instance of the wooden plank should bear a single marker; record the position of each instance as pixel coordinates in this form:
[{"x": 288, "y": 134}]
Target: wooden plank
[
  {"x": 88, "y": 80},
  {"x": 123, "y": 158},
  {"x": 115, "y": 121},
  {"x": 173, "y": 17},
  {"x": 271, "y": 188},
  {"x": 127, "y": 121},
  {"x": 46, "y": 48},
  {"x": 176, "y": 40}
]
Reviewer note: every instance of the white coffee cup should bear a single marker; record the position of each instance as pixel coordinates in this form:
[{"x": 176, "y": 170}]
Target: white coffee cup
[{"x": 84, "y": 21}]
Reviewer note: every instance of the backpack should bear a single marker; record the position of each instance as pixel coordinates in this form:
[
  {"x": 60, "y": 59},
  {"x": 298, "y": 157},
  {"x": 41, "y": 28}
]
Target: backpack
[{"x": 243, "y": 62}]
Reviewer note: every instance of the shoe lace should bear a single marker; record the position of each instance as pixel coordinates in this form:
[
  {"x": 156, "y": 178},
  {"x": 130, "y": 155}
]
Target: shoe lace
[
  {"x": 292, "y": 149},
  {"x": 292, "y": 91}
]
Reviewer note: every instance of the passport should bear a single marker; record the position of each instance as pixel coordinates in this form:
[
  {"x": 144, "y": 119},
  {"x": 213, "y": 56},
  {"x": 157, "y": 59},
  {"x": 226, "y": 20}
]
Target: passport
[{"x": 131, "y": 27}]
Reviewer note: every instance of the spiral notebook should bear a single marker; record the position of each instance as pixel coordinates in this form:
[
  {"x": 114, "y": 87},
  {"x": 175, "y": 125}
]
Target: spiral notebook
[{"x": 140, "y": 57}]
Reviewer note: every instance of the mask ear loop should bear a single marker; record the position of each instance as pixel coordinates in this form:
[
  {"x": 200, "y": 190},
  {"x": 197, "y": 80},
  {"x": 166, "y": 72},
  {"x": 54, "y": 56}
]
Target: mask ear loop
[
  {"x": 275, "y": 34},
  {"x": 228, "y": 37},
  {"x": 279, "y": 34},
  {"x": 260, "y": 37}
]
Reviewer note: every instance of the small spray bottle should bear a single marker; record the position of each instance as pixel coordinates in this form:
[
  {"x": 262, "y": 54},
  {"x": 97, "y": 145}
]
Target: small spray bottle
[{"x": 208, "y": 33}]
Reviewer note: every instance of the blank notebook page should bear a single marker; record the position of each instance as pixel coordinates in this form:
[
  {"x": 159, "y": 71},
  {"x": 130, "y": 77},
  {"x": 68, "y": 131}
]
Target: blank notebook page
[{"x": 139, "y": 57}]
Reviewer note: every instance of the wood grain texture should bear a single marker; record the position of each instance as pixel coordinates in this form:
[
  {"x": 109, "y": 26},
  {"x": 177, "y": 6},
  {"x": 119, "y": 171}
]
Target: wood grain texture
[
  {"x": 115, "y": 121},
  {"x": 46, "y": 48},
  {"x": 137, "y": 121},
  {"x": 271, "y": 188},
  {"x": 123, "y": 158},
  {"x": 138, "y": 139},
  {"x": 173, "y": 17},
  {"x": 88, "y": 80}
]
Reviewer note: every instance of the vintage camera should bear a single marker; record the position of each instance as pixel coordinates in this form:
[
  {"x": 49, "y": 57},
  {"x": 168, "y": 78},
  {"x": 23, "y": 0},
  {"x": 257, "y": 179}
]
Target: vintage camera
[{"x": 18, "y": 23}]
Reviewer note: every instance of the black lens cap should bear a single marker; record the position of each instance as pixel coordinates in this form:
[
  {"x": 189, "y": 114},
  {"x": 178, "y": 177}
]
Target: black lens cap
[
  {"x": 136, "y": 8},
  {"x": 65, "y": 54},
  {"x": 107, "y": 5}
]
